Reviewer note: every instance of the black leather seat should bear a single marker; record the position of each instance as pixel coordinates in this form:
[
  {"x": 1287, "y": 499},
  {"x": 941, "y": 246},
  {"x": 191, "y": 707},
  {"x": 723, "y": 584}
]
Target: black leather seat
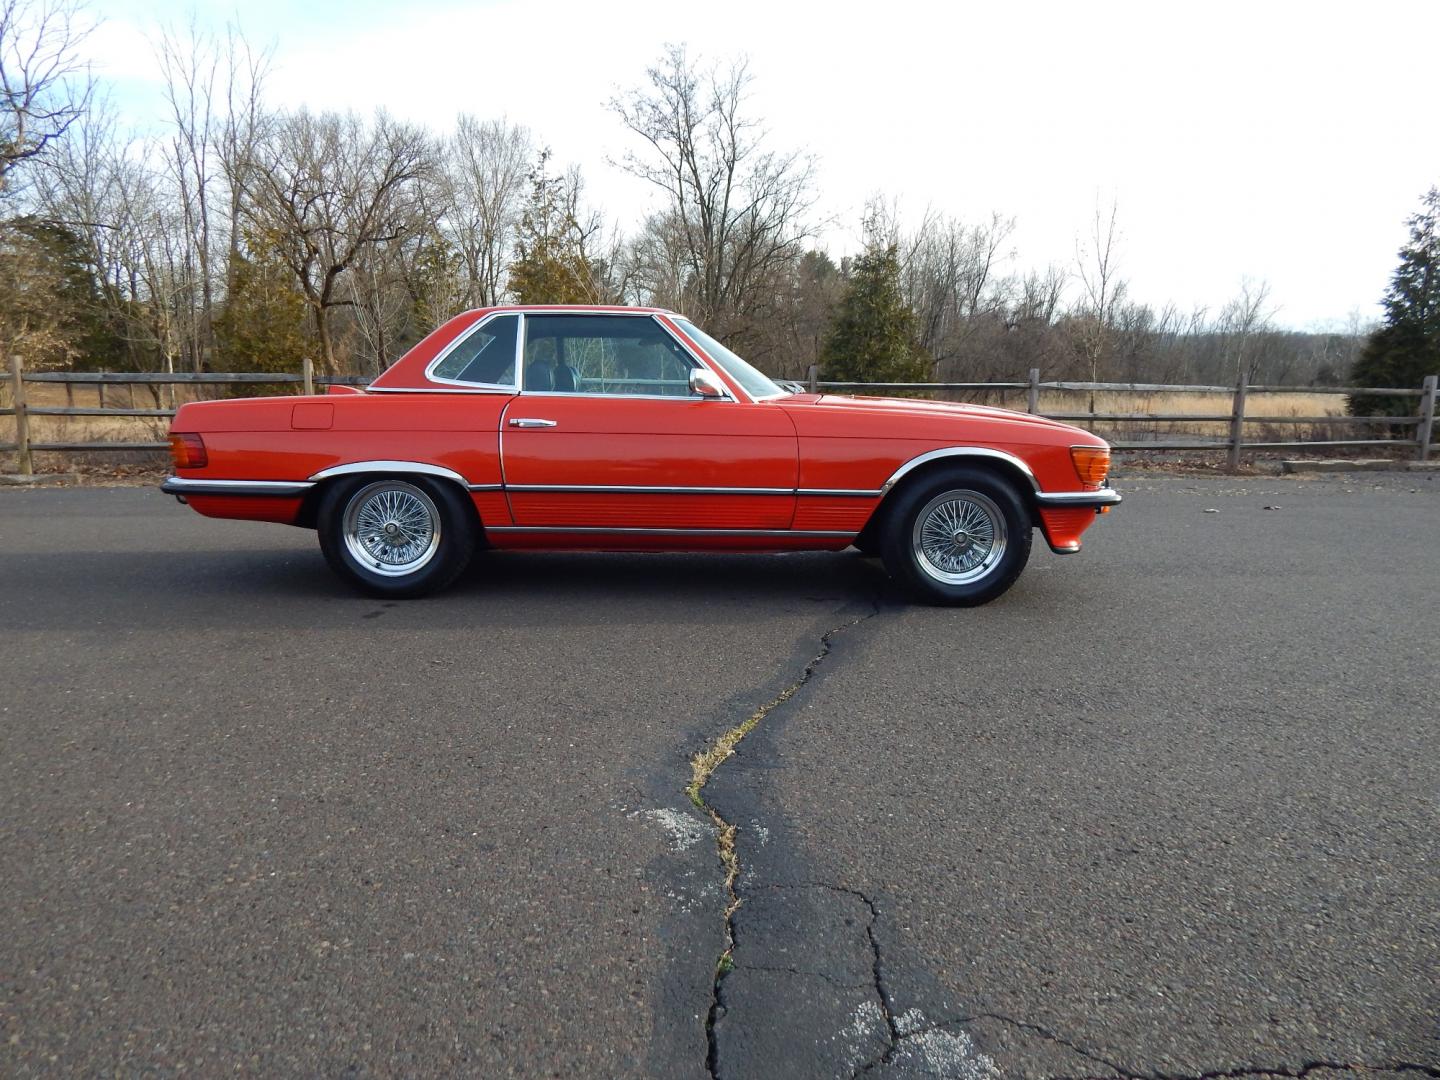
[{"x": 538, "y": 376}]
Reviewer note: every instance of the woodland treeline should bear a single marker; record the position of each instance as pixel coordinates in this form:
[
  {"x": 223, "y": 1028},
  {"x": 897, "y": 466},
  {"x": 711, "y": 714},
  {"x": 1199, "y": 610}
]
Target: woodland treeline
[{"x": 242, "y": 234}]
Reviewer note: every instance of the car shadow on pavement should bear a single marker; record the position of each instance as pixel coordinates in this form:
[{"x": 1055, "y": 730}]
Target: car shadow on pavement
[{"x": 294, "y": 588}]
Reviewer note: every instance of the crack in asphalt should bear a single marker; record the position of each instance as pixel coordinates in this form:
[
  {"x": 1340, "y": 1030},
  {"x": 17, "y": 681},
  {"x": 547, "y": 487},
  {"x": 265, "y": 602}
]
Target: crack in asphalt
[
  {"x": 887, "y": 1004},
  {"x": 901, "y": 1033},
  {"x": 1295, "y": 1073},
  {"x": 1060, "y": 1040},
  {"x": 1122, "y": 1072},
  {"x": 703, "y": 766}
]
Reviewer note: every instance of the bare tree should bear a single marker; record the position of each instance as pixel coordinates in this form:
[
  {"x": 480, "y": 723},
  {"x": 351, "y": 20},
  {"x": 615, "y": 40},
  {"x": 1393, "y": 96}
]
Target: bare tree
[
  {"x": 97, "y": 187},
  {"x": 245, "y": 126},
  {"x": 212, "y": 86},
  {"x": 1242, "y": 321},
  {"x": 1040, "y": 294},
  {"x": 1098, "y": 261},
  {"x": 323, "y": 189},
  {"x": 949, "y": 272},
  {"x": 45, "y": 86},
  {"x": 487, "y": 163},
  {"x": 734, "y": 208}
]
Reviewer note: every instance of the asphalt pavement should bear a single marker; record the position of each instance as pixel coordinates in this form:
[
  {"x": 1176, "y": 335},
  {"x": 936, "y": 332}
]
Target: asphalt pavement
[{"x": 1169, "y": 808}]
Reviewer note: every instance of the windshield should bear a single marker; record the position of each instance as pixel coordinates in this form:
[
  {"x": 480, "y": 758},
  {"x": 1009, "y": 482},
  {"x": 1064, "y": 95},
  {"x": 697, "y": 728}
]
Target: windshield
[{"x": 756, "y": 384}]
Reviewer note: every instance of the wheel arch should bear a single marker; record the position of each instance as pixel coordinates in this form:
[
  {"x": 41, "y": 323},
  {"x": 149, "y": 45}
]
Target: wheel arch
[
  {"x": 915, "y": 471},
  {"x": 327, "y": 478}
]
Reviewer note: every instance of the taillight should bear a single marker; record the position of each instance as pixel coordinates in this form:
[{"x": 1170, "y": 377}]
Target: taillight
[
  {"x": 1092, "y": 463},
  {"x": 187, "y": 450}
]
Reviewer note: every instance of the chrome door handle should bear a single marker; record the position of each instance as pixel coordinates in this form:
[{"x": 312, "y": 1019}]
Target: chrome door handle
[{"x": 525, "y": 421}]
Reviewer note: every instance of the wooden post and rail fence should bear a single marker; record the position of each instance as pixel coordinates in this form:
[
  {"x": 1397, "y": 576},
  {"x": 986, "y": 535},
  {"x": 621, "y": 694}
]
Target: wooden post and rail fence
[{"x": 1422, "y": 422}]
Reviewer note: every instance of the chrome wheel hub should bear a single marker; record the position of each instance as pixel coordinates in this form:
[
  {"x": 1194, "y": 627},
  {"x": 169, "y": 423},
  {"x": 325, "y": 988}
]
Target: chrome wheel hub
[
  {"x": 959, "y": 537},
  {"x": 392, "y": 528}
]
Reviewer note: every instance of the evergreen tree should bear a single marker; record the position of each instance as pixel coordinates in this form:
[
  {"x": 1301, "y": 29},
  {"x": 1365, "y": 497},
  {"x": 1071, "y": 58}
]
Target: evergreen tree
[
  {"x": 1407, "y": 347},
  {"x": 262, "y": 325},
  {"x": 551, "y": 266},
  {"x": 49, "y": 304},
  {"x": 873, "y": 336}
]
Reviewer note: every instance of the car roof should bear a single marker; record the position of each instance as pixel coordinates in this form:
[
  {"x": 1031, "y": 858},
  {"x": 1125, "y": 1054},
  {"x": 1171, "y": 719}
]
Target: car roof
[{"x": 578, "y": 309}]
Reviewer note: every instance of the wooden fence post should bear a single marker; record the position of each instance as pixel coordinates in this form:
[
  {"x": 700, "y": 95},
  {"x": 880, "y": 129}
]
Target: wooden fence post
[
  {"x": 22, "y": 417},
  {"x": 1427, "y": 419},
  {"x": 812, "y": 378},
  {"x": 1237, "y": 424},
  {"x": 1032, "y": 395},
  {"x": 100, "y": 389},
  {"x": 307, "y": 374}
]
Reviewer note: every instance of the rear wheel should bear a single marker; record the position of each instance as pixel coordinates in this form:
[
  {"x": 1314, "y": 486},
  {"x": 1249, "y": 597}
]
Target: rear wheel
[
  {"x": 960, "y": 537},
  {"x": 396, "y": 536}
]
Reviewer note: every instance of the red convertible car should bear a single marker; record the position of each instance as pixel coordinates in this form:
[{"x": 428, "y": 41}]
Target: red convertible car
[{"x": 627, "y": 429}]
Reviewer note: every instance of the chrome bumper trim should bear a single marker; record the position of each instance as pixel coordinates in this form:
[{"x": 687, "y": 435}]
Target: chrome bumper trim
[
  {"x": 1103, "y": 497},
  {"x": 179, "y": 485}
]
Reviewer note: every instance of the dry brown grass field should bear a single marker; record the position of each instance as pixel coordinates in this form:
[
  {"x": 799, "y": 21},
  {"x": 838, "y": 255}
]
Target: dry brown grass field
[{"x": 1154, "y": 407}]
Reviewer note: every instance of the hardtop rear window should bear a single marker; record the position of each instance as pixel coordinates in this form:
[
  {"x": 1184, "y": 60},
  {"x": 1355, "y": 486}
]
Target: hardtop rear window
[{"x": 483, "y": 357}]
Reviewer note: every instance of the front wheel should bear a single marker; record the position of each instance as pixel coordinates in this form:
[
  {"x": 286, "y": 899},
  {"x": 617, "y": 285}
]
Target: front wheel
[
  {"x": 958, "y": 537},
  {"x": 396, "y": 536}
]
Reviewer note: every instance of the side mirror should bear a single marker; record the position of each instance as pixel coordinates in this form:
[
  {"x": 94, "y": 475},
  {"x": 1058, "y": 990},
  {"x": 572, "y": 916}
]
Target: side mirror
[{"x": 706, "y": 383}]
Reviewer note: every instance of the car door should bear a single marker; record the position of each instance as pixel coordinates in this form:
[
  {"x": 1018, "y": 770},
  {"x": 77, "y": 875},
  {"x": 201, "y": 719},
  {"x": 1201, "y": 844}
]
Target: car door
[{"x": 607, "y": 435}]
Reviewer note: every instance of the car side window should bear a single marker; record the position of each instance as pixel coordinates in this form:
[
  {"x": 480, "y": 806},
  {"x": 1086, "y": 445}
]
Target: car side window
[
  {"x": 484, "y": 357},
  {"x": 604, "y": 354}
]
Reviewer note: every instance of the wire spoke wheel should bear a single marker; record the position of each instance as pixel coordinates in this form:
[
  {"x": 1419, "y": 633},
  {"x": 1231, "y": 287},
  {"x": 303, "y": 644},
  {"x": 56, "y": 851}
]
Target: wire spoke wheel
[
  {"x": 959, "y": 537},
  {"x": 391, "y": 528}
]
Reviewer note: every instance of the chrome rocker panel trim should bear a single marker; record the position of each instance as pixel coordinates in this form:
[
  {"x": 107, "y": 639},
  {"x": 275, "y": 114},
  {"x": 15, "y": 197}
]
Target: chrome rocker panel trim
[
  {"x": 640, "y": 489},
  {"x": 179, "y": 485},
  {"x": 566, "y": 529}
]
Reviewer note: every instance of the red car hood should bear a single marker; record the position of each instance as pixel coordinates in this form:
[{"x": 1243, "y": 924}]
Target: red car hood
[{"x": 900, "y": 407}]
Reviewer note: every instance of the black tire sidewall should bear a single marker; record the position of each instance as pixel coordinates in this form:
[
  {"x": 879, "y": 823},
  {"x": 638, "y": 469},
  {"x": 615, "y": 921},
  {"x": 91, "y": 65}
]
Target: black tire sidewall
[
  {"x": 902, "y": 563},
  {"x": 457, "y": 537}
]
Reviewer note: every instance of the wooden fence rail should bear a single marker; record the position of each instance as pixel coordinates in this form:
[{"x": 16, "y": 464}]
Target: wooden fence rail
[
  {"x": 1423, "y": 421},
  {"x": 1238, "y": 417}
]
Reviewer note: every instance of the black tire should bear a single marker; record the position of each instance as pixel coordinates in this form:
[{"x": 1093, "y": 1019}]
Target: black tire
[
  {"x": 989, "y": 545},
  {"x": 868, "y": 544},
  {"x": 431, "y": 521}
]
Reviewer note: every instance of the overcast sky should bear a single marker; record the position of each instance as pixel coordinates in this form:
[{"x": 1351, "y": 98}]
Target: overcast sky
[{"x": 1286, "y": 142}]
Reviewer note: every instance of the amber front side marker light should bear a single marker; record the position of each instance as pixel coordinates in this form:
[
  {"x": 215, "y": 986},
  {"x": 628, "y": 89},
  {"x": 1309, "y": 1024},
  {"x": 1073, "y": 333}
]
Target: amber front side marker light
[
  {"x": 1092, "y": 463},
  {"x": 188, "y": 451}
]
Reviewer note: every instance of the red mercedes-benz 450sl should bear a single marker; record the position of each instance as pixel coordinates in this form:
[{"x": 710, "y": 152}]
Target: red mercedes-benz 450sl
[{"x": 628, "y": 429}]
